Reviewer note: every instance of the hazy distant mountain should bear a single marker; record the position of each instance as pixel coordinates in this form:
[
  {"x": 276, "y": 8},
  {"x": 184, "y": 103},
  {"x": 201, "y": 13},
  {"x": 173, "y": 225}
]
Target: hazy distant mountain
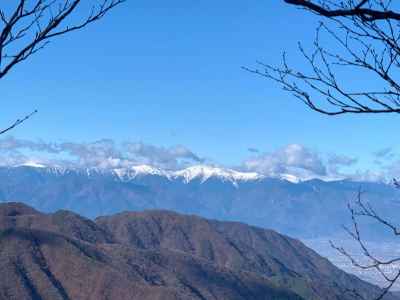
[
  {"x": 158, "y": 255},
  {"x": 303, "y": 209}
]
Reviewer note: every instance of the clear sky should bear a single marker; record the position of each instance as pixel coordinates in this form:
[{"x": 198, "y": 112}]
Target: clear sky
[{"x": 169, "y": 73}]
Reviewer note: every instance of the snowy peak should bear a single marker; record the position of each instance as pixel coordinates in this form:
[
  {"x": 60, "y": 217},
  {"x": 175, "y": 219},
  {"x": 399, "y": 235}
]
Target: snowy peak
[
  {"x": 205, "y": 172},
  {"x": 290, "y": 178},
  {"x": 32, "y": 164},
  {"x": 141, "y": 170}
]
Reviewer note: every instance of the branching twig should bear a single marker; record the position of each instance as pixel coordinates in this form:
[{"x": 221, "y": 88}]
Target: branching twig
[
  {"x": 28, "y": 28},
  {"x": 18, "y": 122},
  {"x": 374, "y": 263},
  {"x": 367, "y": 38}
]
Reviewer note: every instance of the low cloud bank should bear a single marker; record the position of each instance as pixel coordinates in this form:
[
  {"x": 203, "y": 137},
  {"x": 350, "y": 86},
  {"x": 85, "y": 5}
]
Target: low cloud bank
[{"x": 291, "y": 160}]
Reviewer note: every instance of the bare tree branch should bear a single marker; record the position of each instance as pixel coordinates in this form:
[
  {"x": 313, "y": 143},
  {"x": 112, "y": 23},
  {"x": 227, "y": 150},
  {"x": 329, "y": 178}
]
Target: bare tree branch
[
  {"x": 18, "y": 122},
  {"x": 365, "y": 35},
  {"x": 363, "y": 209},
  {"x": 367, "y": 38},
  {"x": 30, "y": 26},
  {"x": 349, "y": 10}
]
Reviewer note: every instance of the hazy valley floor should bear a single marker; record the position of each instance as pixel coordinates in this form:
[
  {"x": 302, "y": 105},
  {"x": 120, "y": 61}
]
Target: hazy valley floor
[{"x": 386, "y": 249}]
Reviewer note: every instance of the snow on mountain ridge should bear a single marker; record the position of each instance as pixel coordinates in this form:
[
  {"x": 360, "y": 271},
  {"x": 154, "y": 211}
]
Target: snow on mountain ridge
[
  {"x": 32, "y": 164},
  {"x": 197, "y": 172},
  {"x": 201, "y": 172},
  {"x": 140, "y": 170},
  {"x": 206, "y": 172},
  {"x": 290, "y": 178}
]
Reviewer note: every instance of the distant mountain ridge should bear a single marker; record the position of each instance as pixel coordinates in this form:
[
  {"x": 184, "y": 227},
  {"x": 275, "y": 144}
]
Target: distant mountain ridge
[
  {"x": 305, "y": 209},
  {"x": 159, "y": 255},
  {"x": 202, "y": 172}
]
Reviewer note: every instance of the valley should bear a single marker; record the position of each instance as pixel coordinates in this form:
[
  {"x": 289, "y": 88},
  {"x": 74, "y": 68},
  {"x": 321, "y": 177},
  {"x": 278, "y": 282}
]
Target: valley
[{"x": 387, "y": 250}]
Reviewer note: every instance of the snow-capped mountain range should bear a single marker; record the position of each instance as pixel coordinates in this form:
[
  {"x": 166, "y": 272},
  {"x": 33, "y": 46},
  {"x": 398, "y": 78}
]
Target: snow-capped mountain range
[
  {"x": 197, "y": 172},
  {"x": 200, "y": 172},
  {"x": 287, "y": 204}
]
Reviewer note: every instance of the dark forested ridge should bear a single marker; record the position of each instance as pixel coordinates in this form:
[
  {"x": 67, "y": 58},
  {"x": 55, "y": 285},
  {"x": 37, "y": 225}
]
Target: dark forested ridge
[{"x": 157, "y": 255}]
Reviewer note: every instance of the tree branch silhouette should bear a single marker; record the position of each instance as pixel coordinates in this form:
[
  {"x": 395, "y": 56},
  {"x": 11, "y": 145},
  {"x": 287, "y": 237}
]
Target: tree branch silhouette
[
  {"x": 367, "y": 42},
  {"x": 365, "y": 35},
  {"x": 29, "y": 26},
  {"x": 364, "y": 209},
  {"x": 18, "y": 122},
  {"x": 348, "y": 9}
]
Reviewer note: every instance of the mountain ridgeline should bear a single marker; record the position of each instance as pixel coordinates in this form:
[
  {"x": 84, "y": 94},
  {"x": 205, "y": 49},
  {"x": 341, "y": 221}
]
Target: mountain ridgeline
[
  {"x": 159, "y": 255},
  {"x": 303, "y": 209}
]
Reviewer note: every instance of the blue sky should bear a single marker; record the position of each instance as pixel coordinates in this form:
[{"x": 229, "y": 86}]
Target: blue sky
[{"x": 170, "y": 74}]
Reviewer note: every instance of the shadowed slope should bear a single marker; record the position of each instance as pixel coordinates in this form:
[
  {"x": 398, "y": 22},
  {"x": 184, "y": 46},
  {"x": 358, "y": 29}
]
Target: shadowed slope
[
  {"x": 64, "y": 256},
  {"x": 239, "y": 247}
]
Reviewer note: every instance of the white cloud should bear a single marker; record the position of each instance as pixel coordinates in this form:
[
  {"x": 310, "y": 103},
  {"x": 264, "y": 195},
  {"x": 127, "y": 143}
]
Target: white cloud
[
  {"x": 103, "y": 153},
  {"x": 293, "y": 159},
  {"x": 301, "y": 162}
]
